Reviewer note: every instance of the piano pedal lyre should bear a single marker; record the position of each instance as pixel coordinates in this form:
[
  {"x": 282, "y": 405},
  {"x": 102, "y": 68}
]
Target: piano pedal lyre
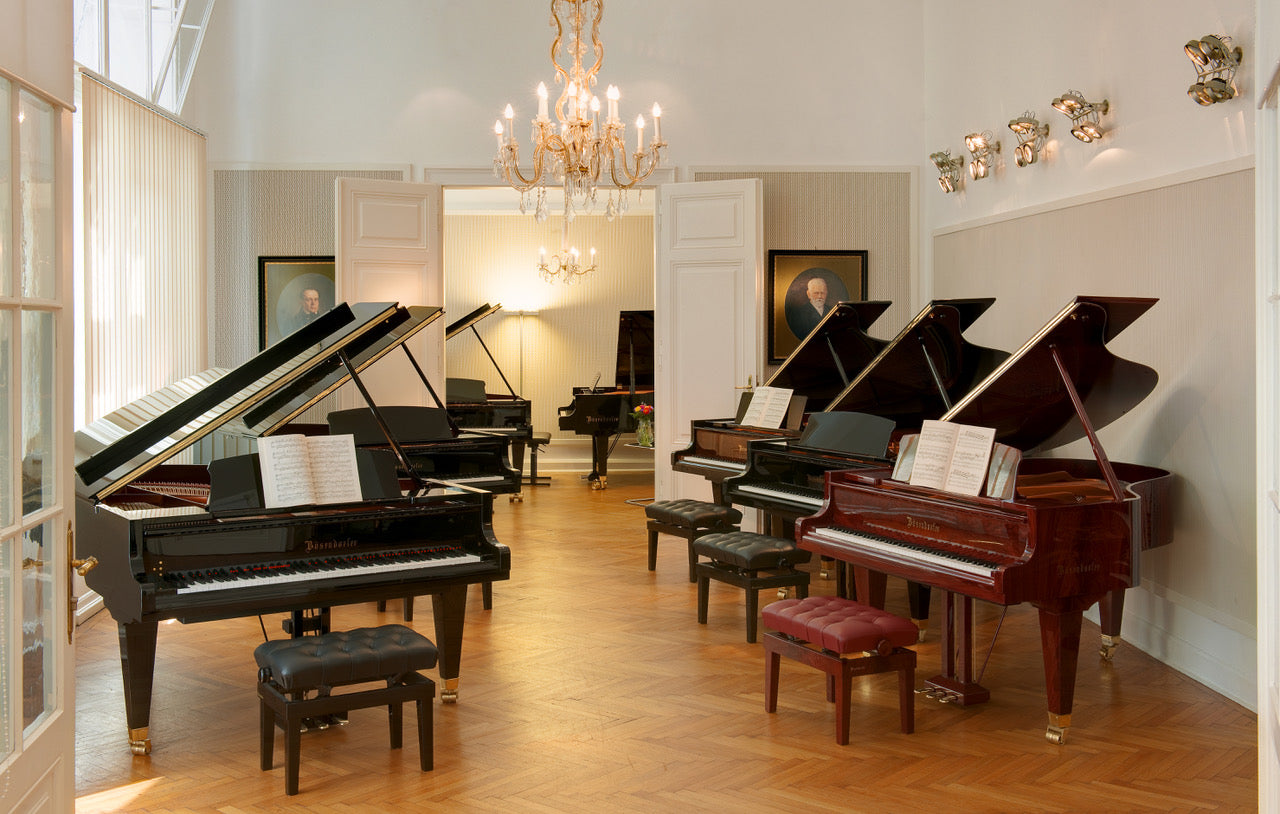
[
  {"x": 1057, "y": 729},
  {"x": 1108, "y": 647}
]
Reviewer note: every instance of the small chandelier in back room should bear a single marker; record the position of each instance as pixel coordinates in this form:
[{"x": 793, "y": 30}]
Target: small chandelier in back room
[{"x": 577, "y": 148}]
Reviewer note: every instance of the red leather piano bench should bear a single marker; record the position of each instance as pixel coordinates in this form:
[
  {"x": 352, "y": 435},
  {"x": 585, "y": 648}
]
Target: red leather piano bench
[
  {"x": 751, "y": 561},
  {"x": 689, "y": 519},
  {"x": 289, "y": 669},
  {"x": 843, "y": 639}
]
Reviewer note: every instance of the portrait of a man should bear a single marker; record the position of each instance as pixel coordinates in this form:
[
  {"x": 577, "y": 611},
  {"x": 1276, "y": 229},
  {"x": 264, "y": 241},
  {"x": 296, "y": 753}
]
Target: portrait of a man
[
  {"x": 805, "y": 286},
  {"x": 294, "y": 292},
  {"x": 811, "y": 297}
]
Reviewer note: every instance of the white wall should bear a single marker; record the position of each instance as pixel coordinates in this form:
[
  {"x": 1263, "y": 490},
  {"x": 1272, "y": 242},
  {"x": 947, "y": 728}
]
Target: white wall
[{"x": 823, "y": 82}]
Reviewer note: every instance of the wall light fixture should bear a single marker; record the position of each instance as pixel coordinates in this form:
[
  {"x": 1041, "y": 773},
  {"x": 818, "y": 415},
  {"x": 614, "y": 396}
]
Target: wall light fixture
[
  {"x": 948, "y": 169},
  {"x": 1216, "y": 63},
  {"x": 981, "y": 146},
  {"x": 1083, "y": 114},
  {"x": 1031, "y": 138}
]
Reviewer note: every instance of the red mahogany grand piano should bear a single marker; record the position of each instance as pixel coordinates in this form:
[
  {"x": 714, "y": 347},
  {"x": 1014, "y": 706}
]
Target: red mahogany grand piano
[{"x": 1073, "y": 532}]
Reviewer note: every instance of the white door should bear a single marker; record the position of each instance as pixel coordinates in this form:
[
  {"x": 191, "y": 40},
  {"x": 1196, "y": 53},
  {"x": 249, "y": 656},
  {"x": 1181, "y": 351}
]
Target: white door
[
  {"x": 709, "y": 274},
  {"x": 388, "y": 250},
  {"x": 37, "y": 693}
]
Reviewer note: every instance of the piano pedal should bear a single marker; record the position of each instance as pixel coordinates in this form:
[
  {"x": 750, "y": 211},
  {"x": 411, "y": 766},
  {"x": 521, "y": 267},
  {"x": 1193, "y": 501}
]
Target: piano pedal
[{"x": 314, "y": 725}]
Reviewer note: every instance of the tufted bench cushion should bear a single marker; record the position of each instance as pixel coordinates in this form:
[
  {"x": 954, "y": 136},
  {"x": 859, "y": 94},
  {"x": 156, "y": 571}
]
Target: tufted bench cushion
[
  {"x": 697, "y": 514},
  {"x": 746, "y": 549},
  {"x": 345, "y": 657},
  {"x": 840, "y": 625}
]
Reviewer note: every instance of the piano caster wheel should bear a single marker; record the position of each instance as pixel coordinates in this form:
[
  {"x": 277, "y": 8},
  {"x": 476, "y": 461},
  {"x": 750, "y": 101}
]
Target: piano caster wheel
[
  {"x": 518, "y": 497},
  {"x": 449, "y": 692},
  {"x": 139, "y": 743},
  {"x": 1108, "y": 647},
  {"x": 599, "y": 483},
  {"x": 922, "y": 626},
  {"x": 784, "y": 592},
  {"x": 1056, "y": 732}
]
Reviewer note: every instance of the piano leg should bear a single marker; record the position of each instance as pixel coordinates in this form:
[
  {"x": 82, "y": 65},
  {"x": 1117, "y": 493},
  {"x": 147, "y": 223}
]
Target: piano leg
[
  {"x": 138, "y": 666},
  {"x": 918, "y": 598},
  {"x": 1060, "y": 644},
  {"x": 449, "y": 606},
  {"x": 1110, "y": 615},
  {"x": 869, "y": 586},
  {"x": 956, "y": 685},
  {"x": 599, "y": 476}
]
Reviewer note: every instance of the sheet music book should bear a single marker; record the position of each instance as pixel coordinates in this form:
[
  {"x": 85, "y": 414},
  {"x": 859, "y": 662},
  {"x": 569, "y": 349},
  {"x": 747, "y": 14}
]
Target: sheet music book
[
  {"x": 768, "y": 407},
  {"x": 308, "y": 469},
  {"x": 952, "y": 457}
]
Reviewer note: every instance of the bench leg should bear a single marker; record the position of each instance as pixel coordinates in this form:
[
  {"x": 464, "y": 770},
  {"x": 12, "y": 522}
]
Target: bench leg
[
  {"x": 395, "y": 719},
  {"x": 771, "y": 664},
  {"x": 693, "y": 562},
  {"x": 426, "y": 736},
  {"x": 486, "y": 595},
  {"x": 844, "y": 691},
  {"x": 292, "y": 748},
  {"x": 267, "y": 735},
  {"x": 703, "y": 590},
  {"x": 907, "y": 697},
  {"x": 653, "y": 550},
  {"x": 753, "y": 612}
]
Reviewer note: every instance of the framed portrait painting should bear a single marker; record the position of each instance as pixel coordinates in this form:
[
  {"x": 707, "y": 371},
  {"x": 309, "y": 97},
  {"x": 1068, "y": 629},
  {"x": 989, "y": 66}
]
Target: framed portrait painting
[
  {"x": 292, "y": 291},
  {"x": 803, "y": 287}
]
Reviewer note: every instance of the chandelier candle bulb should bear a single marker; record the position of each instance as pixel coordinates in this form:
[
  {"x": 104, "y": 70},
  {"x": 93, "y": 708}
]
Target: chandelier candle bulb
[
  {"x": 542, "y": 101},
  {"x": 613, "y": 94},
  {"x": 657, "y": 122},
  {"x": 497, "y": 131},
  {"x": 640, "y": 134}
]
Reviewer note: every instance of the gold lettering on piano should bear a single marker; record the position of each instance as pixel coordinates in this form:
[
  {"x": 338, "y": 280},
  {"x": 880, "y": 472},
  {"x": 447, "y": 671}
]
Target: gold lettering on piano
[
  {"x": 913, "y": 523},
  {"x": 329, "y": 545},
  {"x": 1082, "y": 568}
]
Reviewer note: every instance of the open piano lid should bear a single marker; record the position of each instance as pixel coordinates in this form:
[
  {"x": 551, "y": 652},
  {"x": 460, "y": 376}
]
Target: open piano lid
[
  {"x": 290, "y": 401},
  {"x": 113, "y": 451},
  {"x": 635, "y": 349},
  {"x": 1025, "y": 399},
  {"x": 458, "y": 326},
  {"x": 835, "y": 350},
  {"x": 899, "y": 383}
]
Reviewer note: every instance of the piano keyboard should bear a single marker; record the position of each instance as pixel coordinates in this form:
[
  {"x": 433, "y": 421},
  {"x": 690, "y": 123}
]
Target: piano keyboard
[
  {"x": 912, "y": 551},
  {"x": 715, "y": 463},
  {"x": 471, "y": 481},
  {"x": 795, "y": 494},
  {"x": 319, "y": 568}
]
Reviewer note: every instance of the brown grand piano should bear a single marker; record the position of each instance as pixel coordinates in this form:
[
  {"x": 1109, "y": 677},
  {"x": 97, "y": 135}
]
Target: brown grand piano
[
  {"x": 1071, "y": 535},
  {"x": 194, "y": 543},
  {"x": 605, "y": 412},
  {"x": 472, "y": 408},
  {"x": 816, "y": 372}
]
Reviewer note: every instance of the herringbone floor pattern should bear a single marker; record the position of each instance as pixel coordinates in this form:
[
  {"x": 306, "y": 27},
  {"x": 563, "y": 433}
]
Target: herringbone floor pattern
[{"x": 591, "y": 687}]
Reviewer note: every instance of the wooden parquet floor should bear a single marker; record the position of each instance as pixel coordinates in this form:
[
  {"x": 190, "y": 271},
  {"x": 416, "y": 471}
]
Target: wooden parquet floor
[{"x": 590, "y": 686}]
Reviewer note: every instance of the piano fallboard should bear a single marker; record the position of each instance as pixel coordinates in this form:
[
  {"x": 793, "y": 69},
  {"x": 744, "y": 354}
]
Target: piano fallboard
[
  {"x": 787, "y": 481},
  {"x": 718, "y": 448}
]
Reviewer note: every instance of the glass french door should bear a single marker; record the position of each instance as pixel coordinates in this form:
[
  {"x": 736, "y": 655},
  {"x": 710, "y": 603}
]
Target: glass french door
[{"x": 37, "y": 711}]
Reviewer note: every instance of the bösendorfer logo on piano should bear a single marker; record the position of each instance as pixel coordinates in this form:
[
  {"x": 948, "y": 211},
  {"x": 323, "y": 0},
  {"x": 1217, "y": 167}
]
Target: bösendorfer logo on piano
[
  {"x": 1082, "y": 568},
  {"x": 329, "y": 545},
  {"x": 913, "y": 523}
]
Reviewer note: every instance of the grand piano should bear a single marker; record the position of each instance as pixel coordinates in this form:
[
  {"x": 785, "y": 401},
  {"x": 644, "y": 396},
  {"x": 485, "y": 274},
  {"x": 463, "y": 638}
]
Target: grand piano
[
  {"x": 604, "y": 412},
  {"x": 1072, "y": 533},
  {"x": 472, "y": 408},
  {"x": 432, "y": 442},
  {"x": 816, "y": 372},
  {"x": 193, "y": 543}
]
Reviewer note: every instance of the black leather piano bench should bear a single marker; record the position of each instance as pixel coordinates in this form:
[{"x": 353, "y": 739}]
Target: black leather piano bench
[
  {"x": 290, "y": 668},
  {"x": 689, "y": 519},
  {"x": 537, "y": 441},
  {"x": 843, "y": 639},
  {"x": 752, "y": 561}
]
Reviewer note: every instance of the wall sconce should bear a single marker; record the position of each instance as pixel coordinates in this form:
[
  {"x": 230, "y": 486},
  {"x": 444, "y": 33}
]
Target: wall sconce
[
  {"x": 1031, "y": 138},
  {"x": 1083, "y": 114},
  {"x": 948, "y": 169},
  {"x": 1216, "y": 66},
  {"x": 980, "y": 146}
]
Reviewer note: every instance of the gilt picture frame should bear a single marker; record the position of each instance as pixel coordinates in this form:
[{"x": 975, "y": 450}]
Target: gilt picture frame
[
  {"x": 791, "y": 303},
  {"x": 291, "y": 292}
]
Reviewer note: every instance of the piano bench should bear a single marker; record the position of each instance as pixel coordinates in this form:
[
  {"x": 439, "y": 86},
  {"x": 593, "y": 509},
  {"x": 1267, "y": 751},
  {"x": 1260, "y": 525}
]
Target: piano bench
[
  {"x": 752, "y": 561},
  {"x": 290, "y": 668},
  {"x": 689, "y": 519},
  {"x": 537, "y": 441},
  {"x": 843, "y": 639}
]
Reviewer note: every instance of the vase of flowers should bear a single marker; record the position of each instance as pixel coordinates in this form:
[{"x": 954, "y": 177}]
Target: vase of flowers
[{"x": 644, "y": 424}]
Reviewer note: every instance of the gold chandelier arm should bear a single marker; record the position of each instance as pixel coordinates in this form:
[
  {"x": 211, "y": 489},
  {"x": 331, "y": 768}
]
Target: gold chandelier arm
[
  {"x": 510, "y": 162},
  {"x": 630, "y": 178},
  {"x": 596, "y": 45},
  {"x": 561, "y": 74}
]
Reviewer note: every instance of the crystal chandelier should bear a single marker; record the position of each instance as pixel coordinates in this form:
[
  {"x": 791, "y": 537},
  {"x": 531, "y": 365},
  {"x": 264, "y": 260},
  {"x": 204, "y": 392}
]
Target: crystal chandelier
[
  {"x": 564, "y": 267},
  {"x": 577, "y": 149}
]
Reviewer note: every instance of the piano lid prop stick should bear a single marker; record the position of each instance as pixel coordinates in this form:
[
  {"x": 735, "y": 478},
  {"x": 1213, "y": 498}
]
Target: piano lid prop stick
[
  {"x": 1108, "y": 473},
  {"x": 453, "y": 425},
  {"x": 496, "y": 366},
  {"x": 418, "y": 483},
  {"x": 933, "y": 372}
]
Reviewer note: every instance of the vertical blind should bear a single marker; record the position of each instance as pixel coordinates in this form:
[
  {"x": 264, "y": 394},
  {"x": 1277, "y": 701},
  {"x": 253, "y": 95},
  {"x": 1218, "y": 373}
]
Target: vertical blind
[{"x": 143, "y": 285}]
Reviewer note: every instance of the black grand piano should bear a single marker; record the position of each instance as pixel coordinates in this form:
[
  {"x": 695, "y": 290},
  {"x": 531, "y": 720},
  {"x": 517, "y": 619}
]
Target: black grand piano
[
  {"x": 473, "y": 408},
  {"x": 604, "y": 412},
  {"x": 915, "y": 376},
  {"x": 1071, "y": 535},
  {"x": 433, "y": 443},
  {"x": 816, "y": 371},
  {"x": 194, "y": 543}
]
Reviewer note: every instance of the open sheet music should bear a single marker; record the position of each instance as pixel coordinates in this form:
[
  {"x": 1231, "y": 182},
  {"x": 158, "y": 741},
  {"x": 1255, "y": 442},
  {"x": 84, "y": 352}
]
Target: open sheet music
[
  {"x": 952, "y": 457},
  {"x": 308, "y": 469},
  {"x": 768, "y": 407}
]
